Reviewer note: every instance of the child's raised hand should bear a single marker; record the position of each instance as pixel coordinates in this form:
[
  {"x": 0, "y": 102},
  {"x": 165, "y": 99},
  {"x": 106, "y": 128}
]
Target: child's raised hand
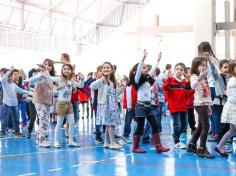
[
  {"x": 144, "y": 54},
  {"x": 159, "y": 57},
  {"x": 203, "y": 74}
]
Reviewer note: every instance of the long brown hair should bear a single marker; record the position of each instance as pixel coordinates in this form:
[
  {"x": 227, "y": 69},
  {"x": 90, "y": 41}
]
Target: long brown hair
[
  {"x": 232, "y": 65},
  {"x": 50, "y": 63},
  {"x": 195, "y": 63},
  {"x": 206, "y": 47},
  {"x": 112, "y": 76}
]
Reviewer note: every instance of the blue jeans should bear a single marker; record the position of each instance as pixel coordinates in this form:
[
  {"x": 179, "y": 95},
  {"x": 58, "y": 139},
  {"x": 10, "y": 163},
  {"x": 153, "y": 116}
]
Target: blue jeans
[
  {"x": 128, "y": 120},
  {"x": 158, "y": 116},
  {"x": 6, "y": 115},
  {"x": 1, "y": 112},
  {"x": 22, "y": 108},
  {"x": 212, "y": 117},
  {"x": 215, "y": 119},
  {"x": 76, "y": 111},
  {"x": 98, "y": 127},
  {"x": 179, "y": 124}
]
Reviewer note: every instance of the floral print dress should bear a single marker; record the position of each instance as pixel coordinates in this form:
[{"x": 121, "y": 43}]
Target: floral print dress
[{"x": 108, "y": 113}]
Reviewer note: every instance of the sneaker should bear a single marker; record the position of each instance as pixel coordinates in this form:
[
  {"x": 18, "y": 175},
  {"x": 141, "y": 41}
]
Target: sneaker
[
  {"x": 122, "y": 141},
  {"x": 2, "y": 134},
  {"x": 19, "y": 135},
  {"x": 221, "y": 152},
  {"x": 67, "y": 138},
  {"x": 28, "y": 135},
  {"x": 56, "y": 145},
  {"x": 106, "y": 145},
  {"x": 227, "y": 149},
  {"x": 98, "y": 140},
  {"x": 180, "y": 145},
  {"x": 44, "y": 144},
  {"x": 213, "y": 138},
  {"x": 127, "y": 139},
  {"x": 116, "y": 146},
  {"x": 73, "y": 144},
  {"x": 23, "y": 126}
]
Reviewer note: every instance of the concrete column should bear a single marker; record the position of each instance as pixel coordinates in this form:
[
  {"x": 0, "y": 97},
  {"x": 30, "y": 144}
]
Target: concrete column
[{"x": 203, "y": 25}]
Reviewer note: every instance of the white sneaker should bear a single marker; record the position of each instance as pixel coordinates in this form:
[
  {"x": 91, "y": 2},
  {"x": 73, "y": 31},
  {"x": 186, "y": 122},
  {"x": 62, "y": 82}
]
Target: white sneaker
[
  {"x": 127, "y": 139},
  {"x": 106, "y": 145},
  {"x": 73, "y": 144},
  {"x": 122, "y": 141},
  {"x": 56, "y": 145},
  {"x": 44, "y": 144},
  {"x": 116, "y": 146},
  {"x": 180, "y": 145}
]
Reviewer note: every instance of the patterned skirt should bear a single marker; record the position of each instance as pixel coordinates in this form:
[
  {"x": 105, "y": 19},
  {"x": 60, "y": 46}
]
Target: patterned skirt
[{"x": 229, "y": 113}]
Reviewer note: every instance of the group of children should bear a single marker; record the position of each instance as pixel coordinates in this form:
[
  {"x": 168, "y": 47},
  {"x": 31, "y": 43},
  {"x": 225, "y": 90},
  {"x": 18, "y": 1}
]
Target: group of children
[{"x": 193, "y": 96}]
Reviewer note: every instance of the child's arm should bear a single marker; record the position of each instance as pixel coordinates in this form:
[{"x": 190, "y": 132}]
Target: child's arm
[
  {"x": 20, "y": 90},
  {"x": 152, "y": 71},
  {"x": 140, "y": 67},
  {"x": 51, "y": 78},
  {"x": 79, "y": 84},
  {"x": 97, "y": 84}
]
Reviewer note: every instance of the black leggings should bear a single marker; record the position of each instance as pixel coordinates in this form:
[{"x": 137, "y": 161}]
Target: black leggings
[
  {"x": 140, "y": 125},
  {"x": 191, "y": 119}
]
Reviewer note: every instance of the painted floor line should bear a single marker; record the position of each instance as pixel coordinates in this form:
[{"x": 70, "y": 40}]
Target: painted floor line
[
  {"x": 27, "y": 174},
  {"x": 52, "y": 170},
  {"x": 52, "y": 151},
  {"x": 100, "y": 161}
]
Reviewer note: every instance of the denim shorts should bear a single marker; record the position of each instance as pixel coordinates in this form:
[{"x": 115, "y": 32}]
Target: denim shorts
[{"x": 143, "y": 111}]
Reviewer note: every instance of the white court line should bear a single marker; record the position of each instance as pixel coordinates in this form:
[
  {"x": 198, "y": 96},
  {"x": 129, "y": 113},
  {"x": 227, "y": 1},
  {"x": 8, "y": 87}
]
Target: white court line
[
  {"x": 51, "y": 170},
  {"x": 77, "y": 165},
  {"x": 27, "y": 174}
]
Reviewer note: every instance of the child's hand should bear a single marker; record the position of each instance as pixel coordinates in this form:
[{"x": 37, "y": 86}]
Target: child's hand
[
  {"x": 203, "y": 74},
  {"x": 159, "y": 57},
  {"x": 24, "y": 96},
  {"x": 144, "y": 54}
]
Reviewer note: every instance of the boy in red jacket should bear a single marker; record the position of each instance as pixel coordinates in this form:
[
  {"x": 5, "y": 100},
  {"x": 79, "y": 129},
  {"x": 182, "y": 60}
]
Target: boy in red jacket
[{"x": 175, "y": 89}]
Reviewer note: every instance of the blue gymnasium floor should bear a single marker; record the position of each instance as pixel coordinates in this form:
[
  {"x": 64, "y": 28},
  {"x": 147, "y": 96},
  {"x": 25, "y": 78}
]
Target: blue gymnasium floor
[{"x": 22, "y": 157}]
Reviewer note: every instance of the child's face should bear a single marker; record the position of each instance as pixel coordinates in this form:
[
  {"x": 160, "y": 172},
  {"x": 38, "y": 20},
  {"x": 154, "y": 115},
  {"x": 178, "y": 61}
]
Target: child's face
[
  {"x": 145, "y": 69},
  {"x": 15, "y": 76},
  {"x": 106, "y": 70},
  {"x": 66, "y": 71},
  {"x": 48, "y": 67},
  {"x": 202, "y": 67},
  {"x": 224, "y": 69},
  {"x": 99, "y": 73},
  {"x": 188, "y": 73},
  {"x": 179, "y": 71}
]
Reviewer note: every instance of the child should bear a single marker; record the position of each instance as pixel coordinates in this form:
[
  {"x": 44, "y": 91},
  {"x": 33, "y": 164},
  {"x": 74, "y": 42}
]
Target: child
[
  {"x": 229, "y": 113},
  {"x": 221, "y": 80},
  {"x": 174, "y": 87},
  {"x": 94, "y": 96},
  {"x": 143, "y": 83},
  {"x": 189, "y": 102},
  {"x": 202, "y": 103},
  {"x": 10, "y": 102},
  {"x": 129, "y": 103},
  {"x": 42, "y": 99},
  {"x": 64, "y": 105},
  {"x": 107, "y": 108}
]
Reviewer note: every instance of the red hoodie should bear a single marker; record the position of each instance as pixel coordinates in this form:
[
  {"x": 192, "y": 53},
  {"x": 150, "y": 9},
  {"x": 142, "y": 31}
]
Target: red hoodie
[
  {"x": 177, "y": 95},
  {"x": 190, "y": 97},
  {"x": 133, "y": 95}
]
